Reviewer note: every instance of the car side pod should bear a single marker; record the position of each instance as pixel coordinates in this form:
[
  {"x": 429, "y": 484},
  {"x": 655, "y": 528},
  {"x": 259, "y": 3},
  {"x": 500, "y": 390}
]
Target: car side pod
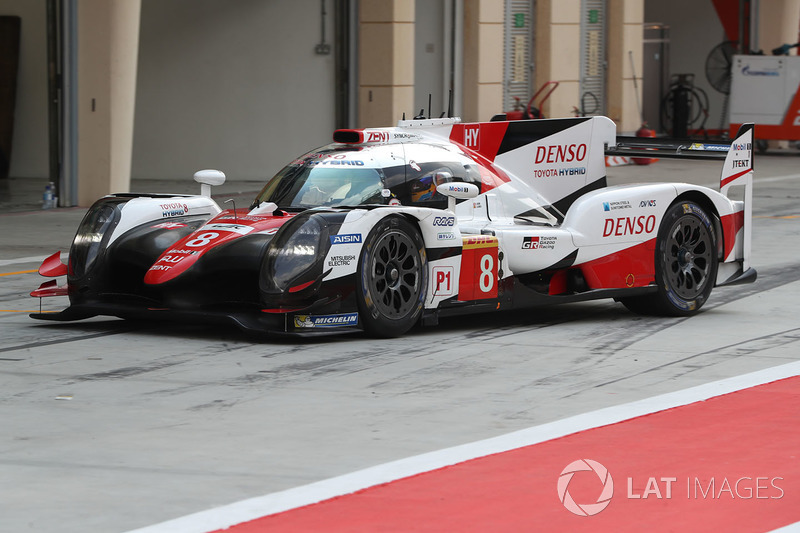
[
  {"x": 456, "y": 190},
  {"x": 208, "y": 178}
]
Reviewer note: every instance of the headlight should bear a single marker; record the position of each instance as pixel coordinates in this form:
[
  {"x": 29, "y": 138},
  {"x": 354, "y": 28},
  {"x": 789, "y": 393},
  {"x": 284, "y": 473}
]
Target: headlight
[
  {"x": 95, "y": 227},
  {"x": 294, "y": 254}
]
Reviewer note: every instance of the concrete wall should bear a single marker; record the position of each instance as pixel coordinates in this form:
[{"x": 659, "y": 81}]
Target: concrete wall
[
  {"x": 557, "y": 52},
  {"x": 483, "y": 59},
  {"x": 625, "y": 32},
  {"x": 694, "y": 30},
  {"x": 385, "y": 62},
  {"x": 108, "y": 41},
  {"x": 232, "y": 85},
  {"x": 29, "y": 156}
]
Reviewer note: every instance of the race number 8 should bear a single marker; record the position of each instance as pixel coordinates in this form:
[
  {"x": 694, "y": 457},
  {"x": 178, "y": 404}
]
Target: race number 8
[
  {"x": 203, "y": 239},
  {"x": 486, "y": 280}
]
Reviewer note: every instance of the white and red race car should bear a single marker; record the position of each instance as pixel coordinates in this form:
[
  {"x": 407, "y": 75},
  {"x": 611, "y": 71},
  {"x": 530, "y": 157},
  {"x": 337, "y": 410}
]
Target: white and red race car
[{"x": 389, "y": 227}]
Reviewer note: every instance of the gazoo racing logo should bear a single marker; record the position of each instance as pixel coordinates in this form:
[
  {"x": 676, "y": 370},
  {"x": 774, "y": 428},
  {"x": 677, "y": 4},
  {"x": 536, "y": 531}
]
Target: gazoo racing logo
[
  {"x": 348, "y": 238},
  {"x": 620, "y": 226},
  {"x": 530, "y": 243},
  {"x": 444, "y": 221},
  {"x": 539, "y": 243}
]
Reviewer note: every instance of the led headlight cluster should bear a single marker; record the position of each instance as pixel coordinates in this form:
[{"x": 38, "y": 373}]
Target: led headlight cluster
[
  {"x": 96, "y": 227},
  {"x": 294, "y": 257}
]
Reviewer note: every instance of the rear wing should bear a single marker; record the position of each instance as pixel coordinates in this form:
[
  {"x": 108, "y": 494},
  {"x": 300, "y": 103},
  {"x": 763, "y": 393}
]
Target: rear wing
[
  {"x": 737, "y": 169},
  {"x": 738, "y": 155}
]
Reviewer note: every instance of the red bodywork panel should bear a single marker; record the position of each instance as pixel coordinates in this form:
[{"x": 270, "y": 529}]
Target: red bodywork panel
[
  {"x": 478, "y": 279},
  {"x": 631, "y": 267},
  {"x": 52, "y": 267},
  {"x": 49, "y": 288},
  {"x": 223, "y": 228}
]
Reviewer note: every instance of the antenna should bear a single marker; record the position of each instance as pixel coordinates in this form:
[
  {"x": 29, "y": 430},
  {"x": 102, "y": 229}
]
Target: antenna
[
  {"x": 235, "y": 218},
  {"x": 404, "y": 115},
  {"x": 429, "y": 105},
  {"x": 450, "y": 104}
]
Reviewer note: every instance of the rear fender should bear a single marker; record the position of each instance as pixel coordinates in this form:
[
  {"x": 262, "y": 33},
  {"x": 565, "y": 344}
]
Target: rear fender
[{"x": 618, "y": 217}]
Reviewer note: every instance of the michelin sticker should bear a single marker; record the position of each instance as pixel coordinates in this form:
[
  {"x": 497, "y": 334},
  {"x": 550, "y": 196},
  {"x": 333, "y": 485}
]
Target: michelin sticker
[{"x": 325, "y": 321}]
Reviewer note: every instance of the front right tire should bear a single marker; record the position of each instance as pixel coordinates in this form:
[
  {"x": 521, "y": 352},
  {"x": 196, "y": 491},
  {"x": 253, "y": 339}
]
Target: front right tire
[{"x": 392, "y": 278}]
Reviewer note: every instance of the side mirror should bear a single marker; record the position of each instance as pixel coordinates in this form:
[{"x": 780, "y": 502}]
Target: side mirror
[
  {"x": 457, "y": 190},
  {"x": 207, "y": 179}
]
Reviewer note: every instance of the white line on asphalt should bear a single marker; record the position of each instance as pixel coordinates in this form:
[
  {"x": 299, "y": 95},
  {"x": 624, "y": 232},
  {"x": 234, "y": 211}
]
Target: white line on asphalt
[
  {"x": 37, "y": 259},
  {"x": 791, "y": 528},
  {"x": 276, "y": 502}
]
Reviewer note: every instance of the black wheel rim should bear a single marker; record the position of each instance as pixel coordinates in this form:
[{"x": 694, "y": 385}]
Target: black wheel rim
[
  {"x": 689, "y": 250},
  {"x": 395, "y": 275}
]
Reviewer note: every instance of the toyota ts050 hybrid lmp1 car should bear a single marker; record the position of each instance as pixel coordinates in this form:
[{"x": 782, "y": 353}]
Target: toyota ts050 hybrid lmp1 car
[{"x": 389, "y": 227}]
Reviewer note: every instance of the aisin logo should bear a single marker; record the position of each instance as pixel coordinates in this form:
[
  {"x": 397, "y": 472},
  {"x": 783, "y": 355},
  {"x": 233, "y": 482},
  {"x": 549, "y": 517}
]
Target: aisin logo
[{"x": 585, "y": 509}]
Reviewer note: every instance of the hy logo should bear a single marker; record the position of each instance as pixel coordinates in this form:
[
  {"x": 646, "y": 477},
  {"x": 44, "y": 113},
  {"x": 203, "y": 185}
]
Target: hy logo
[
  {"x": 585, "y": 509},
  {"x": 472, "y": 137}
]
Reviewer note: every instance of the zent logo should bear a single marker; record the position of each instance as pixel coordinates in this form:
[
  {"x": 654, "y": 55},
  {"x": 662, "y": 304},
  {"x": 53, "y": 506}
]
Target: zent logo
[
  {"x": 444, "y": 221},
  {"x": 585, "y": 509},
  {"x": 348, "y": 238},
  {"x": 378, "y": 136},
  {"x": 472, "y": 137}
]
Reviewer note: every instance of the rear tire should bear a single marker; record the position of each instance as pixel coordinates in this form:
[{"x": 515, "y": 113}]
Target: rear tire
[
  {"x": 392, "y": 278},
  {"x": 686, "y": 263}
]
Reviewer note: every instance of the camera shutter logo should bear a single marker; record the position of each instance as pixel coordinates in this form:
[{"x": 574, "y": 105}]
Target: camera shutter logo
[{"x": 585, "y": 509}]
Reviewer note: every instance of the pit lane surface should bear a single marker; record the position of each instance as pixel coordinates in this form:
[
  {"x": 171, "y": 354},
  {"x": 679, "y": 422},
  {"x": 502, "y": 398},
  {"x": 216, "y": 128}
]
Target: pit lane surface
[{"x": 110, "y": 426}]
